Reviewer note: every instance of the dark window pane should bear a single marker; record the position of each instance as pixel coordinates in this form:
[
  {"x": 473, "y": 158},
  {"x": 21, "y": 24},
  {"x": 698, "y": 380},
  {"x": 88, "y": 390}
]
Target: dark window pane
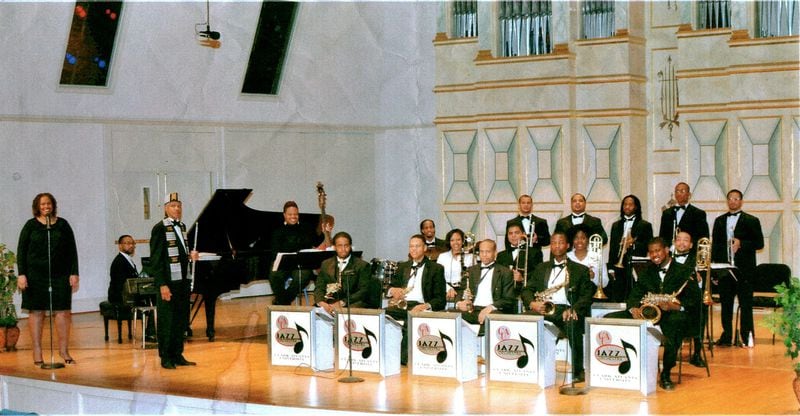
[
  {"x": 269, "y": 47},
  {"x": 91, "y": 43}
]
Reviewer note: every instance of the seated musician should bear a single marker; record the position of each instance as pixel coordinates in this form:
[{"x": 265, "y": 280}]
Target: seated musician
[
  {"x": 491, "y": 288},
  {"x": 290, "y": 237},
  {"x": 560, "y": 290},
  {"x": 684, "y": 254},
  {"x": 418, "y": 285},
  {"x": 454, "y": 260},
  {"x": 343, "y": 274},
  {"x": 123, "y": 267},
  {"x": 664, "y": 276},
  {"x": 433, "y": 246},
  {"x": 518, "y": 256}
]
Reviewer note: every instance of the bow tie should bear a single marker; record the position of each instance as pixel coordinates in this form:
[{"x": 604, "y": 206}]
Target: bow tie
[
  {"x": 342, "y": 262},
  {"x": 491, "y": 266},
  {"x": 579, "y": 216},
  {"x": 734, "y": 214},
  {"x": 525, "y": 217},
  {"x": 559, "y": 265},
  {"x": 630, "y": 219},
  {"x": 176, "y": 223},
  {"x": 680, "y": 207},
  {"x": 681, "y": 255},
  {"x": 663, "y": 269}
]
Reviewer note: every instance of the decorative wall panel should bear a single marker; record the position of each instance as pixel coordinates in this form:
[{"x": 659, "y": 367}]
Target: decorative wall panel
[
  {"x": 460, "y": 156},
  {"x": 502, "y": 165},
  {"x": 466, "y": 221},
  {"x": 760, "y": 161},
  {"x": 545, "y": 163},
  {"x": 604, "y": 161},
  {"x": 773, "y": 236},
  {"x": 707, "y": 138}
]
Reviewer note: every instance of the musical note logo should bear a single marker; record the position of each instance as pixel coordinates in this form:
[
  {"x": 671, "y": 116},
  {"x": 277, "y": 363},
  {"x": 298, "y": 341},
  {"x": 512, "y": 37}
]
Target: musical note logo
[
  {"x": 442, "y": 355},
  {"x": 625, "y": 366},
  {"x": 367, "y": 351},
  {"x": 298, "y": 347},
  {"x": 522, "y": 361}
]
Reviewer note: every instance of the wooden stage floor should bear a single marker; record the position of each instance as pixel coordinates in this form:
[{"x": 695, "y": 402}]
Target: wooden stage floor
[{"x": 234, "y": 368}]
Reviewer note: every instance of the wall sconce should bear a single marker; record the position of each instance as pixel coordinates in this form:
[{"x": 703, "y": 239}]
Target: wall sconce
[{"x": 669, "y": 97}]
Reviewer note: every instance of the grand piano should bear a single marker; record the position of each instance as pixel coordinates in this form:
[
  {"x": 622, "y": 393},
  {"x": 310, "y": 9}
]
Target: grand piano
[{"x": 239, "y": 236}]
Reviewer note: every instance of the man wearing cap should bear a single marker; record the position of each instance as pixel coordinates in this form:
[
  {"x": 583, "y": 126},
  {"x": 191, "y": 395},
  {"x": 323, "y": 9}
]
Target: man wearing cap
[{"x": 169, "y": 264}]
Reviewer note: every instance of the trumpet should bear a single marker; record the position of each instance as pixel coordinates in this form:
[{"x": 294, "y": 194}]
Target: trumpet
[
  {"x": 623, "y": 249},
  {"x": 596, "y": 253},
  {"x": 730, "y": 248},
  {"x": 651, "y": 311},
  {"x": 546, "y": 295},
  {"x": 704, "y": 265}
]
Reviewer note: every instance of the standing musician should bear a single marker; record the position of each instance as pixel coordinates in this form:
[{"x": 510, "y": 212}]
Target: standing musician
[
  {"x": 535, "y": 228},
  {"x": 433, "y": 246},
  {"x": 290, "y": 237},
  {"x": 683, "y": 217},
  {"x": 517, "y": 256},
  {"x": 629, "y": 237},
  {"x": 736, "y": 237},
  {"x": 491, "y": 288},
  {"x": 169, "y": 266},
  {"x": 683, "y": 254},
  {"x": 345, "y": 273},
  {"x": 579, "y": 216},
  {"x": 664, "y": 276},
  {"x": 560, "y": 290},
  {"x": 454, "y": 261},
  {"x": 418, "y": 285}
]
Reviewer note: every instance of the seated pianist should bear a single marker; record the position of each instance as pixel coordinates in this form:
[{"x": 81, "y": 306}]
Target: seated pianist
[
  {"x": 491, "y": 288},
  {"x": 290, "y": 237},
  {"x": 665, "y": 277},
  {"x": 123, "y": 267},
  {"x": 343, "y": 274},
  {"x": 560, "y": 290}
]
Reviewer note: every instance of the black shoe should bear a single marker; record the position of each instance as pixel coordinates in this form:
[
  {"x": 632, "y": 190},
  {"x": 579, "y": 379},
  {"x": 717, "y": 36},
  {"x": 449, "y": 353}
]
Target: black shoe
[
  {"x": 183, "y": 361},
  {"x": 697, "y": 360},
  {"x": 666, "y": 384},
  {"x": 723, "y": 342},
  {"x": 579, "y": 377},
  {"x": 169, "y": 365},
  {"x": 211, "y": 336},
  {"x": 151, "y": 338}
]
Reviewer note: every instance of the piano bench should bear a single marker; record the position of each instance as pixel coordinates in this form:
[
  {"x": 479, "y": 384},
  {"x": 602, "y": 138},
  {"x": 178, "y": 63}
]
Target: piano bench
[{"x": 118, "y": 313}]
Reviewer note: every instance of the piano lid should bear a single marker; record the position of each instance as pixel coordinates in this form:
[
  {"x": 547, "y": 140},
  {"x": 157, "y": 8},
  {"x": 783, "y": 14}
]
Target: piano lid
[{"x": 226, "y": 223}]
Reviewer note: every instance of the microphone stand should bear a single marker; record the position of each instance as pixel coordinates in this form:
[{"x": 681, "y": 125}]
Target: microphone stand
[
  {"x": 350, "y": 378},
  {"x": 52, "y": 364},
  {"x": 571, "y": 390}
]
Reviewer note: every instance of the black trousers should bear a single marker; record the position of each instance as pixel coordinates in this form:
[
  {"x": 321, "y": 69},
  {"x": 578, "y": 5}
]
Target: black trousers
[
  {"x": 573, "y": 330},
  {"x": 173, "y": 320},
  {"x": 674, "y": 326},
  {"x": 730, "y": 288},
  {"x": 402, "y": 315},
  {"x": 287, "y": 286},
  {"x": 620, "y": 286}
]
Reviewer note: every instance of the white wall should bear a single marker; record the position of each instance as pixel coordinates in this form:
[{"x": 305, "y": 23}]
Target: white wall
[{"x": 354, "y": 111}]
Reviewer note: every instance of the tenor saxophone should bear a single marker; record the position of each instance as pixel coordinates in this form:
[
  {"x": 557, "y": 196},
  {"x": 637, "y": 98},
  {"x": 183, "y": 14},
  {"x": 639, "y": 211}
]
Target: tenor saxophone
[
  {"x": 650, "y": 301},
  {"x": 546, "y": 295}
]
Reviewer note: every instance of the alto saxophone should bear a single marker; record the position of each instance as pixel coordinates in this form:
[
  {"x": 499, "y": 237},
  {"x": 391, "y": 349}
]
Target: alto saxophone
[{"x": 651, "y": 311}]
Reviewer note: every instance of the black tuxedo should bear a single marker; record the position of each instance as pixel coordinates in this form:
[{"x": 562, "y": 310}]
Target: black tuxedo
[
  {"x": 693, "y": 222},
  {"x": 701, "y": 313},
  {"x": 434, "y": 292},
  {"x": 579, "y": 292},
  {"x": 593, "y": 223},
  {"x": 674, "y": 324},
  {"x": 539, "y": 226},
  {"x": 356, "y": 277},
  {"x": 121, "y": 271},
  {"x": 642, "y": 232},
  {"x": 503, "y": 297},
  {"x": 748, "y": 231},
  {"x": 506, "y": 258},
  {"x": 286, "y": 285}
]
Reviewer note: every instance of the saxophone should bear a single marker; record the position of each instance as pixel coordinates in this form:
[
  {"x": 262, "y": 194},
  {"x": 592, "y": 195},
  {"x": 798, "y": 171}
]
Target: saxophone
[
  {"x": 546, "y": 295},
  {"x": 650, "y": 301}
]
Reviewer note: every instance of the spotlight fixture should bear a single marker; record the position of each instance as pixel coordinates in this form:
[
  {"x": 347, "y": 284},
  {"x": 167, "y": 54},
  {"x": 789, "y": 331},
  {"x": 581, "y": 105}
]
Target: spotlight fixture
[{"x": 207, "y": 37}]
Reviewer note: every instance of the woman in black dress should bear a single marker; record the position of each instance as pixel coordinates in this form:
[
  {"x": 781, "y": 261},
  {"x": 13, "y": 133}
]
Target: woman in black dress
[{"x": 35, "y": 268}]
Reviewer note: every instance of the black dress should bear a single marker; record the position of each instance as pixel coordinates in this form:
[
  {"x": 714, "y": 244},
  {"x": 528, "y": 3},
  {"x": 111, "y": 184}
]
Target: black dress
[{"x": 32, "y": 261}]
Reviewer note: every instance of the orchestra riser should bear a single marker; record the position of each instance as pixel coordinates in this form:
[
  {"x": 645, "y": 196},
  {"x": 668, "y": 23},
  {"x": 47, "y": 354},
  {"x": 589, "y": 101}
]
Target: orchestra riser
[{"x": 233, "y": 376}]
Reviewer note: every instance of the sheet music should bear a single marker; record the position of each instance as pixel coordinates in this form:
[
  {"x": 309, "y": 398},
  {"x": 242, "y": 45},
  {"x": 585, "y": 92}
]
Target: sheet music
[
  {"x": 722, "y": 266},
  {"x": 278, "y": 261}
]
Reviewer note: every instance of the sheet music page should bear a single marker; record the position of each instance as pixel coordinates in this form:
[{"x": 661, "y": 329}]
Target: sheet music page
[
  {"x": 278, "y": 261},
  {"x": 722, "y": 266}
]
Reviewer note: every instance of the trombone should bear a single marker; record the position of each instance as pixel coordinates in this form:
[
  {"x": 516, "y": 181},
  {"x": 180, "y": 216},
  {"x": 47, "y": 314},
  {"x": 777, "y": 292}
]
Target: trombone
[
  {"x": 704, "y": 265},
  {"x": 596, "y": 254}
]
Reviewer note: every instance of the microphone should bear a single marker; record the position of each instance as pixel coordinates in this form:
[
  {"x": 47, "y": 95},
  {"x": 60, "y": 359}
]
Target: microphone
[
  {"x": 48, "y": 220},
  {"x": 208, "y": 33}
]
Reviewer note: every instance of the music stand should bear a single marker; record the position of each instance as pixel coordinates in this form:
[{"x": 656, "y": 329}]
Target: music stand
[{"x": 304, "y": 260}]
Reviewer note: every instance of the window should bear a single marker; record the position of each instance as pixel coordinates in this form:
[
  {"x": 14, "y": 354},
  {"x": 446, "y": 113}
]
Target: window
[
  {"x": 525, "y": 27},
  {"x": 269, "y": 47},
  {"x": 712, "y": 14},
  {"x": 597, "y": 19},
  {"x": 91, "y": 43},
  {"x": 777, "y": 18},
  {"x": 465, "y": 19}
]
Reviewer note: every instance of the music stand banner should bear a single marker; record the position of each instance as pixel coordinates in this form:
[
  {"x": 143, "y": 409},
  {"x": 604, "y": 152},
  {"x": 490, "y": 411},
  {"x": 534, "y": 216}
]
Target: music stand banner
[
  {"x": 298, "y": 335},
  {"x": 441, "y": 345},
  {"x": 374, "y": 340},
  {"x": 623, "y": 354},
  {"x": 520, "y": 349}
]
